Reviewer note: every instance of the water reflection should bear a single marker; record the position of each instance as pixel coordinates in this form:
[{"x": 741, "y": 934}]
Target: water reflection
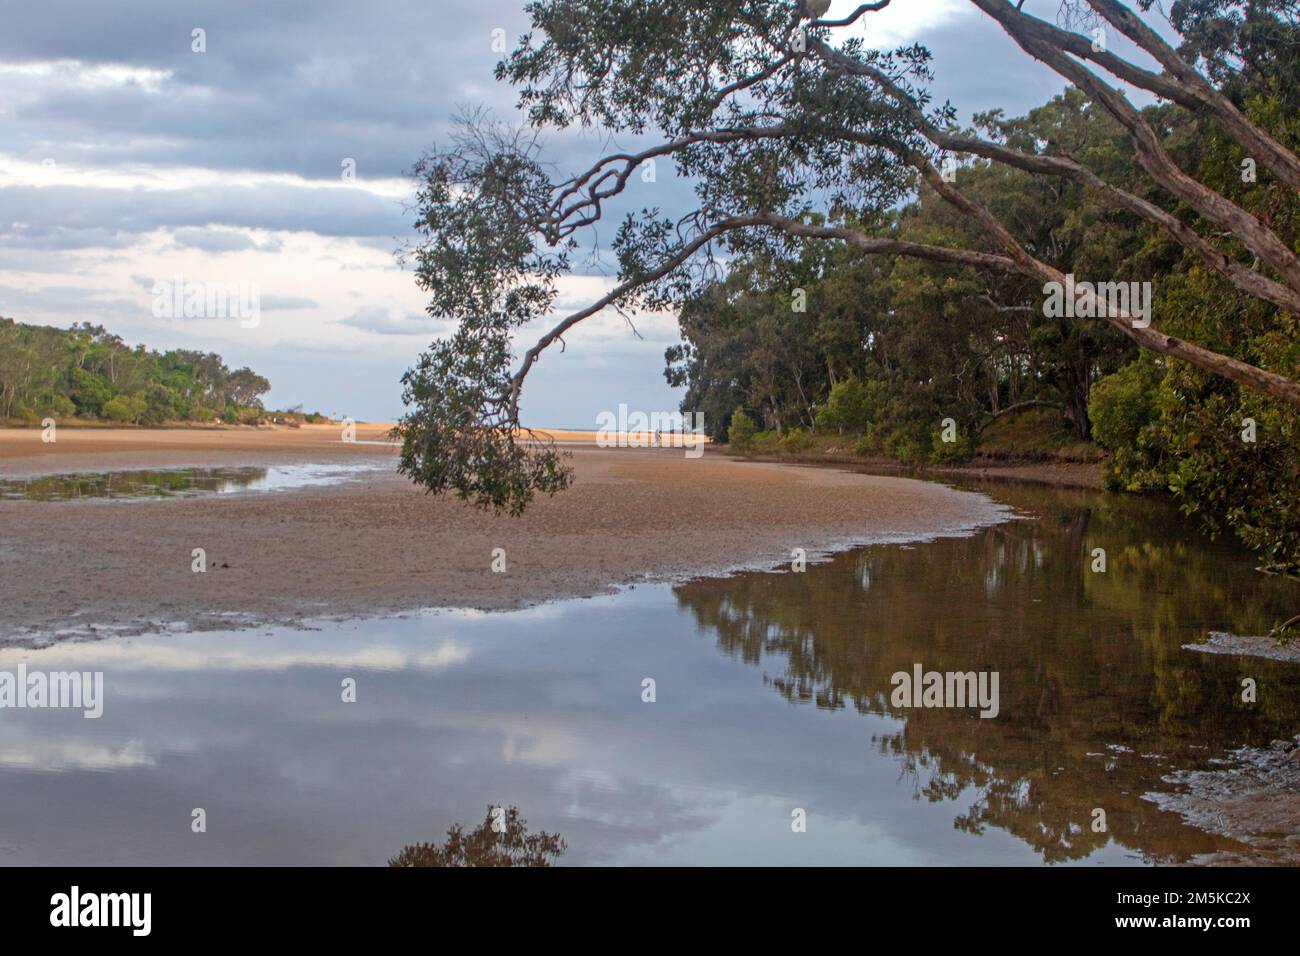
[
  {"x": 501, "y": 840},
  {"x": 1098, "y": 698},
  {"x": 174, "y": 482},
  {"x": 542, "y": 710}
]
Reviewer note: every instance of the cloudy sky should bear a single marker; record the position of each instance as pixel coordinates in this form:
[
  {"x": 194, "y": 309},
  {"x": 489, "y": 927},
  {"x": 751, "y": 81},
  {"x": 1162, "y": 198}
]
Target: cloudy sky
[{"x": 127, "y": 159}]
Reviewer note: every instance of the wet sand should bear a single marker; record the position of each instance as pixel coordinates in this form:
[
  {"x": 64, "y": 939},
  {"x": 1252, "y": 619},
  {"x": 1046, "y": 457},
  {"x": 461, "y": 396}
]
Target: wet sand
[
  {"x": 377, "y": 544},
  {"x": 1254, "y": 800},
  {"x": 1247, "y": 645}
]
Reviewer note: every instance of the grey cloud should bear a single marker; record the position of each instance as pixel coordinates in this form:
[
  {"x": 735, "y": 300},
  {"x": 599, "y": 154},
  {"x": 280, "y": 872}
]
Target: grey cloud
[
  {"x": 382, "y": 322},
  {"x": 55, "y": 238},
  {"x": 276, "y": 89},
  {"x": 280, "y": 91},
  {"x": 31, "y": 261},
  {"x": 100, "y": 216},
  {"x": 221, "y": 240},
  {"x": 282, "y": 303},
  {"x": 94, "y": 303}
]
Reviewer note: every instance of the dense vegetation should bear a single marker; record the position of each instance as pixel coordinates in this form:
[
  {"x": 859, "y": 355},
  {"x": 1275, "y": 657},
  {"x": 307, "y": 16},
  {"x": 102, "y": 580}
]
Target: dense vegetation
[
  {"x": 87, "y": 372},
  {"x": 878, "y": 352}
]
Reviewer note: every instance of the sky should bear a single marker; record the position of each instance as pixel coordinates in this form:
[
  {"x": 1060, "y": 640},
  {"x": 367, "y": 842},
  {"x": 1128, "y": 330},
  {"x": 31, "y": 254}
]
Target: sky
[{"x": 275, "y": 160}]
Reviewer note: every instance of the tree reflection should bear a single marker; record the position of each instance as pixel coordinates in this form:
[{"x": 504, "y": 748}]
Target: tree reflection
[
  {"x": 1098, "y": 699},
  {"x": 502, "y": 839}
]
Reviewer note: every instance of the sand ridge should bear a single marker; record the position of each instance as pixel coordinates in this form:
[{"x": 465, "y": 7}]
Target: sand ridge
[{"x": 377, "y": 544}]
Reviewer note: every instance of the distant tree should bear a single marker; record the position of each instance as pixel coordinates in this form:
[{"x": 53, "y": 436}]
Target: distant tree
[
  {"x": 83, "y": 370},
  {"x": 245, "y": 387}
]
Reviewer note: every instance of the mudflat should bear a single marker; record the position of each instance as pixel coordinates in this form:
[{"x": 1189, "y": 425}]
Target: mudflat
[{"x": 373, "y": 543}]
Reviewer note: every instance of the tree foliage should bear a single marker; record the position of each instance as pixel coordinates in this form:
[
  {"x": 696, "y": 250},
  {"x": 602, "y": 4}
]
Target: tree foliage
[
  {"x": 816, "y": 165},
  {"x": 477, "y": 259},
  {"x": 87, "y": 372}
]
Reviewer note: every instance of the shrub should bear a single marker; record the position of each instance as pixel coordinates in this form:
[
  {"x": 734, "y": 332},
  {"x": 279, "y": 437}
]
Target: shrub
[
  {"x": 1125, "y": 411},
  {"x": 58, "y": 406},
  {"x": 1122, "y": 405},
  {"x": 742, "y": 431},
  {"x": 947, "y": 452},
  {"x": 158, "y": 405},
  {"x": 909, "y": 443},
  {"x": 795, "y": 441},
  {"x": 866, "y": 445},
  {"x": 118, "y": 409},
  {"x": 90, "y": 393},
  {"x": 853, "y": 406}
]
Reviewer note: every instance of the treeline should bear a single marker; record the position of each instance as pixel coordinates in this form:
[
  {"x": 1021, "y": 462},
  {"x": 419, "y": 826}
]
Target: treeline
[
  {"x": 87, "y": 372},
  {"x": 879, "y": 354}
]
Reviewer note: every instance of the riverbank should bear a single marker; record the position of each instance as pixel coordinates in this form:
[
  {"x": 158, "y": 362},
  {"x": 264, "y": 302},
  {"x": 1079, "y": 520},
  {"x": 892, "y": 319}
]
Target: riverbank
[
  {"x": 1062, "y": 474},
  {"x": 1252, "y": 798},
  {"x": 375, "y": 544}
]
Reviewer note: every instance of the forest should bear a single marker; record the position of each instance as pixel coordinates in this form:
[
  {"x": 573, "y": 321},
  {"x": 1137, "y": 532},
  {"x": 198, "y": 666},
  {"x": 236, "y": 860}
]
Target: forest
[{"x": 88, "y": 373}]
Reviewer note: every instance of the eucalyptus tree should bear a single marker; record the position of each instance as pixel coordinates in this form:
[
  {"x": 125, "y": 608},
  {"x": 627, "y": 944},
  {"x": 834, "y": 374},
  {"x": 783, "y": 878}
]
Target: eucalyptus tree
[{"x": 792, "y": 129}]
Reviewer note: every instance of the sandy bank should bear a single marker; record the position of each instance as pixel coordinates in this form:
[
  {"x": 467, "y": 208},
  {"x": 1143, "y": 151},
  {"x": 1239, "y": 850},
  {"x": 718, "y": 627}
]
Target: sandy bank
[
  {"x": 1253, "y": 798},
  {"x": 1062, "y": 474},
  {"x": 377, "y": 544},
  {"x": 1247, "y": 645},
  {"x": 23, "y": 453}
]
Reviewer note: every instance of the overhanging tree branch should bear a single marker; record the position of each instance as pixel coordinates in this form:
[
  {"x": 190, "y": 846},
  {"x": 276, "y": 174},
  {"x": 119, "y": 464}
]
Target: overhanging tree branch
[
  {"x": 1243, "y": 277},
  {"x": 1194, "y": 92},
  {"x": 1261, "y": 240},
  {"x": 783, "y": 140}
]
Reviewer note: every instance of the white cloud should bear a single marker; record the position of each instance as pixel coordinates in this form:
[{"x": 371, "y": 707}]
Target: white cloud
[
  {"x": 383, "y": 321},
  {"x": 231, "y": 655},
  {"x": 903, "y": 21},
  {"x": 79, "y": 75}
]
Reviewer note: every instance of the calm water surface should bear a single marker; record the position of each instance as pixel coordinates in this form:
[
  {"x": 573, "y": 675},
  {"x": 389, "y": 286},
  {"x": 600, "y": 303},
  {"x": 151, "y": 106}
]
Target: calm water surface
[
  {"x": 772, "y": 694},
  {"x": 180, "y": 482}
]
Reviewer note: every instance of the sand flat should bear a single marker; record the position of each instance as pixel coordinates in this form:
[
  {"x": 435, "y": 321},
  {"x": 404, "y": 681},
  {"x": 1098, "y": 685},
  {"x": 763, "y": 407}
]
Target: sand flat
[{"x": 377, "y": 544}]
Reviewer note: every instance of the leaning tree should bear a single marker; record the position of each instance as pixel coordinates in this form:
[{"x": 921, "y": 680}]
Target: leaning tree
[{"x": 790, "y": 129}]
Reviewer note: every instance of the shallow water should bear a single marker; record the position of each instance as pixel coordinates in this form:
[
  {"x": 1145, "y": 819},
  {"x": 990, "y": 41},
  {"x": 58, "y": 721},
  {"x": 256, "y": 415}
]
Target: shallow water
[
  {"x": 178, "y": 482},
  {"x": 772, "y": 694}
]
